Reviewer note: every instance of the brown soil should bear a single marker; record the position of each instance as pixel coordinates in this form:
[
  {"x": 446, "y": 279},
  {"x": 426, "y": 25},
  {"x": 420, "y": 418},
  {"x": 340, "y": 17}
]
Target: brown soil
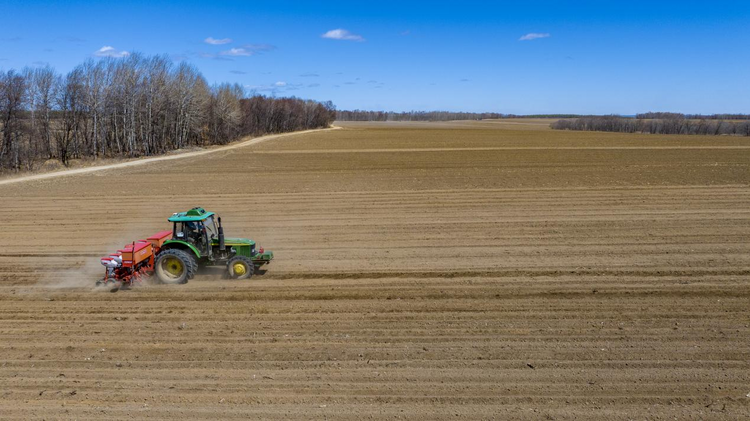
[{"x": 423, "y": 271}]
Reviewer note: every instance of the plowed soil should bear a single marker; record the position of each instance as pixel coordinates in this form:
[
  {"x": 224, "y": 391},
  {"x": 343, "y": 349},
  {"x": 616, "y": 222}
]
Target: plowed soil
[{"x": 487, "y": 270}]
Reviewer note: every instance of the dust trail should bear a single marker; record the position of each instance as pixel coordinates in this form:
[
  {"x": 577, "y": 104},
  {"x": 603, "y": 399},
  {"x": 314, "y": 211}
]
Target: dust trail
[
  {"x": 249, "y": 142},
  {"x": 82, "y": 276},
  {"x": 84, "y": 273}
]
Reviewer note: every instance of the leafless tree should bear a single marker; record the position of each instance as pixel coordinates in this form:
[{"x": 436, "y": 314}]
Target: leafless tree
[
  {"x": 133, "y": 107},
  {"x": 12, "y": 97}
]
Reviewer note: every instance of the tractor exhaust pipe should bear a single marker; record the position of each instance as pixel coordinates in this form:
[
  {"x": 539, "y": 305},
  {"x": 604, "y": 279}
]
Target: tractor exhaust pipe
[{"x": 222, "y": 246}]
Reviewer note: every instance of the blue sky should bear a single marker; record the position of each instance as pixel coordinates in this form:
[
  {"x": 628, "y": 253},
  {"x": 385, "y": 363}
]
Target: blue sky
[{"x": 582, "y": 57}]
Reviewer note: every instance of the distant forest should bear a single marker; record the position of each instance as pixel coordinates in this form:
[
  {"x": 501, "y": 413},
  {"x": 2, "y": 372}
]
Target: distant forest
[
  {"x": 361, "y": 115},
  {"x": 662, "y": 123},
  {"x": 131, "y": 107},
  {"x": 678, "y": 116}
]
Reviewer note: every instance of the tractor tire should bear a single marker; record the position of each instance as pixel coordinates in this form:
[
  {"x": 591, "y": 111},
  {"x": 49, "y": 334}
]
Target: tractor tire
[
  {"x": 191, "y": 274},
  {"x": 240, "y": 267},
  {"x": 175, "y": 266}
]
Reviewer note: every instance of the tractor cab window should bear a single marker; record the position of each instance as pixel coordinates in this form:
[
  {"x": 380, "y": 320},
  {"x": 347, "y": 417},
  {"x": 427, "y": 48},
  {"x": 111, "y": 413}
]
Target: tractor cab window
[
  {"x": 210, "y": 228},
  {"x": 191, "y": 231}
]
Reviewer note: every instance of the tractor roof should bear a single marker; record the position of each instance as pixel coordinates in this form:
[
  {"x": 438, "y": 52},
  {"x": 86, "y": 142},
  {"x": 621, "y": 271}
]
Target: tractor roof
[{"x": 195, "y": 214}]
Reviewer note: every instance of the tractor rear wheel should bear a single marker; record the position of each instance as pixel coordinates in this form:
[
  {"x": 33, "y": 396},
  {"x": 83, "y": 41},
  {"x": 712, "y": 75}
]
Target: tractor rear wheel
[
  {"x": 175, "y": 266},
  {"x": 240, "y": 267}
]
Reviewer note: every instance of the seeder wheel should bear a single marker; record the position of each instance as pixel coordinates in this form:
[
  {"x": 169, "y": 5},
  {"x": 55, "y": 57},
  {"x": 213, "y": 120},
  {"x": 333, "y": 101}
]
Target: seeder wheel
[{"x": 113, "y": 284}]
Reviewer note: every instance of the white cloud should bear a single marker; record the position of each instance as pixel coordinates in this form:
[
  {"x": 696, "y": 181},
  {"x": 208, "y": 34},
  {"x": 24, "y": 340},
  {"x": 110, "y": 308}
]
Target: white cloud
[
  {"x": 247, "y": 50},
  {"x": 237, "y": 52},
  {"x": 279, "y": 84},
  {"x": 532, "y": 36},
  {"x": 214, "y": 41},
  {"x": 342, "y": 34},
  {"x": 219, "y": 56},
  {"x": 108, "y": 51}
]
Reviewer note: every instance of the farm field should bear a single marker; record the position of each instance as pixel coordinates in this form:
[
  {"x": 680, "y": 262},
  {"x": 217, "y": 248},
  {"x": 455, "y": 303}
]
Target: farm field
[{"x": 465, "y": 270}]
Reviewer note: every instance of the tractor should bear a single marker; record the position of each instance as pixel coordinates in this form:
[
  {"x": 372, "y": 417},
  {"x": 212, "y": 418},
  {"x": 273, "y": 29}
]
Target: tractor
[{"x": 196, "y": 240}]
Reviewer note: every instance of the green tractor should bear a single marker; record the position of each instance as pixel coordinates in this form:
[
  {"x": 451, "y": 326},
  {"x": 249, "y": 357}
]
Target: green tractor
[{"x": 197, "y": 240}]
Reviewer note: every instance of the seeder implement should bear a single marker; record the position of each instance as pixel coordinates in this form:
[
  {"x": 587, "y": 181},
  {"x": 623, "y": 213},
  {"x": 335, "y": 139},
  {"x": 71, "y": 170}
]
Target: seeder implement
[{"x": 133, "y": 263}]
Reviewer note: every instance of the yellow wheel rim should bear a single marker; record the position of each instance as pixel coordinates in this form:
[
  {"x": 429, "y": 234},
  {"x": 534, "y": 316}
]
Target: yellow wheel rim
[
  {"x": 239, "y": 269},
  {"x": 173, "y": 266}
]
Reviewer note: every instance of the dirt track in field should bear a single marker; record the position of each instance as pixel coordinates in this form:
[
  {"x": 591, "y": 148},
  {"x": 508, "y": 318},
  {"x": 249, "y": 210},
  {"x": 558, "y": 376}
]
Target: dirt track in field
[
  {"x": 133, "y": 163},
  {"x": 424, "y": 271}
]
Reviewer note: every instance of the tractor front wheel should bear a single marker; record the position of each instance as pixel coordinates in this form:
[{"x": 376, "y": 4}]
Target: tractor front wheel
[
  {"x": 240, "y": 267},
  {"x": 175, "y": 266}
]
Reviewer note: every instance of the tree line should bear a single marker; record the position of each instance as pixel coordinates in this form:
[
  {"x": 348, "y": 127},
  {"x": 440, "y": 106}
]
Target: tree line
[
  {"x": 361, "y": 115},
  {"x": 131, "y": 107},
  {"x": 657, "y": 123},
  {"x": 678, "y": 116}
]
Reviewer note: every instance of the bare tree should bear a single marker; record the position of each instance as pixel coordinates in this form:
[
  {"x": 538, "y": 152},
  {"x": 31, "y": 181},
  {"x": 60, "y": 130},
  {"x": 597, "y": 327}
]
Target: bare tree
[
  {"x": 133, "y": 107},
  {"x": 70, "y": 104},
  {"x": 12, "y": 97}
]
